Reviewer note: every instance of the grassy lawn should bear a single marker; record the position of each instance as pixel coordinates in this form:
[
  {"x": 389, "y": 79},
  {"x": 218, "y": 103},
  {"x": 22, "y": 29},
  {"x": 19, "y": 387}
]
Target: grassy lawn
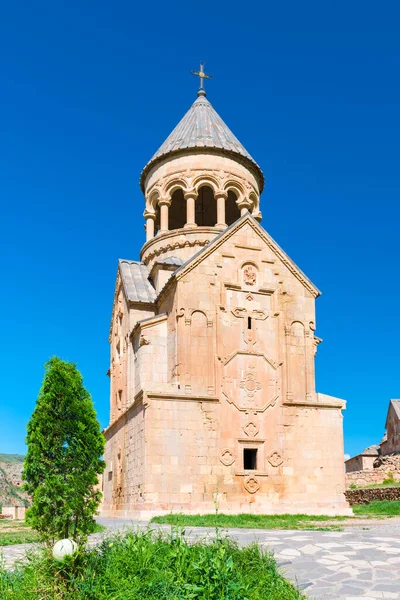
[
  {"x": 252, "y": 521},
  {"x": 388, "y": 508},
  {"x": 146, "y": 565},
  {"x": 16, "y": 532}
]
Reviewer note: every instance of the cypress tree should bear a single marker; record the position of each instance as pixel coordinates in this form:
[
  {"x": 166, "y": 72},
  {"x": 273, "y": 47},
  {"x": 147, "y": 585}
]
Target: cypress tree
[{"x": 64, "y": 458}]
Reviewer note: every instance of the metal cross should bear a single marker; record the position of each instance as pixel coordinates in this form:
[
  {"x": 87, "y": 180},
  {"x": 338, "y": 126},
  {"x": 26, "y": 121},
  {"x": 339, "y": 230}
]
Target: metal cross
[{"x": 202, "y": 75}]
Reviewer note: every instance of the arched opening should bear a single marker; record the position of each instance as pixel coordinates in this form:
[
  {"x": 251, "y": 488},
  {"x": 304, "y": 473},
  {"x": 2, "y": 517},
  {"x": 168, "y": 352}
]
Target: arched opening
[
  {"x": 206, "y": 208},
  {"x": 232, "y": 212},
  {"x": 177, "y": 211},
  {"x": 157, "y": 219}
]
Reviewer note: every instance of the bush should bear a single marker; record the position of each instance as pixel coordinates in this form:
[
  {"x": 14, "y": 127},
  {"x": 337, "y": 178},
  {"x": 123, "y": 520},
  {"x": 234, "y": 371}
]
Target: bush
[{"x": 152, "y": 566}]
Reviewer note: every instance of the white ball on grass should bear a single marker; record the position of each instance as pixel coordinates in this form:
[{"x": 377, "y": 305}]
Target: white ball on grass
[{"x": 64, "y": 548}]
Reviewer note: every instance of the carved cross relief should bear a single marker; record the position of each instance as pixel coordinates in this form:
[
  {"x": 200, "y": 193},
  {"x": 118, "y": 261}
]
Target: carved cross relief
[{"x": 249, "y": 325}]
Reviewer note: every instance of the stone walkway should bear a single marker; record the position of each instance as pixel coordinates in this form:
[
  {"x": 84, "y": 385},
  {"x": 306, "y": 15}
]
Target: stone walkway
[{"x": 353, "y": 564}]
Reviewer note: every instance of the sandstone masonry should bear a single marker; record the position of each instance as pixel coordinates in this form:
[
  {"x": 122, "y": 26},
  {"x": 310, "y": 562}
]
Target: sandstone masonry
[{"x": 212, "y": 343}]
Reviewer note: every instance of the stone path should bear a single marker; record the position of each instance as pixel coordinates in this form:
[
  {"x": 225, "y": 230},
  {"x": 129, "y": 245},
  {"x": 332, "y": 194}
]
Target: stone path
[{"x": 353, "y": 564}]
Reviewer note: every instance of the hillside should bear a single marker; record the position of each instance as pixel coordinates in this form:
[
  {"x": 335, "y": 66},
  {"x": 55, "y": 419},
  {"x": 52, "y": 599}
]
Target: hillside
[
  {"x": 12, "y": 458},
  {"x": 11, "y": 466}
]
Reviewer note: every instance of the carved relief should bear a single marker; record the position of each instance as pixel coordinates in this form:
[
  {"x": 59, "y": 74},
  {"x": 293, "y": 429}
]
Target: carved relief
[
  {"x": 176, "y": 245},
  {"x": 275, "y": 459},
  {"x": 242, "y": 391},
  {"x": 251, "y": 484},
  {"x": 250, "y": 384},
  {"x": 251, "y": 429},
  {"x": 227, "y": 457},
  {"x": 249, "y": 275}
]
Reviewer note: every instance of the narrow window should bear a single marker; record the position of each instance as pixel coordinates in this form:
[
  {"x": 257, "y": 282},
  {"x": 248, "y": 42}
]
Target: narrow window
[
  {"x": 250, "y": 459},
  {"x": 248, "y": 322}
]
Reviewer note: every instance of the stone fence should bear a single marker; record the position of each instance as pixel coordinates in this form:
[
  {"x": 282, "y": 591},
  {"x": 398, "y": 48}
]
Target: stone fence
[
  {"x": 366, "y": 495},
  {"x": 386, "y": 466}
]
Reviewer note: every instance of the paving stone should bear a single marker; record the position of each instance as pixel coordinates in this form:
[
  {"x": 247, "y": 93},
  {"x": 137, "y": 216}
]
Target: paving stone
[
  {"x": 384, "y": 594},
  {"x": 328, "y": 565},
  {"x": 290, "y": 552},
  {"x": 310, "y": 549}
]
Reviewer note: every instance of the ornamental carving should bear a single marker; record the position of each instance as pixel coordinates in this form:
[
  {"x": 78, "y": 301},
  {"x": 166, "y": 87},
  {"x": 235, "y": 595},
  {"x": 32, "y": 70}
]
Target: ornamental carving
[
  {"x": 251, "y": 429},
  {"x": 251, "y": 484},
  {"x": 250, "y": 384},
  {"x": 249, "y": 275},
  {"x": 227, "y": 457},
  {"x": 175, "y": 246},
  {"x": 275, "y": 459},
  {"x": 244, "y": 375}
]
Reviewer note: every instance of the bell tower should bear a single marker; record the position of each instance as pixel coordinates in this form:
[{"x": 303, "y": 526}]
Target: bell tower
[{"x": 199, "y": 182}]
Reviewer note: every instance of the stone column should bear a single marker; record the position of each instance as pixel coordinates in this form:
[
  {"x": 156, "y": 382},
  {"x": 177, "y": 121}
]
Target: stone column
[
  {"x": 164, "y": 204},
  {"x": 244, "y": 206},
  {"x": 190, "y": 197},
  {"x": 220, "y": 198},
  {"x": 150, "y": 219}
]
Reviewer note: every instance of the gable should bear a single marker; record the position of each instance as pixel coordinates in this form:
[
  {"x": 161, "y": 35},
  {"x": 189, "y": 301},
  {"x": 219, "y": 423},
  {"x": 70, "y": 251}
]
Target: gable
[
  {"x": 394, "y": 408},
  {"x": 249, "y": 223}
]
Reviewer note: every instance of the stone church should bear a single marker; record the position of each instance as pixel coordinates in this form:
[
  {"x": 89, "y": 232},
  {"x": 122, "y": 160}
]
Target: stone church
[{"x": 213, "y": 398}]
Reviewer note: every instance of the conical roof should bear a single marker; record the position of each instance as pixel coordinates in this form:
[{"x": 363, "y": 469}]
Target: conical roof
[{"x": 202, "y": 128}]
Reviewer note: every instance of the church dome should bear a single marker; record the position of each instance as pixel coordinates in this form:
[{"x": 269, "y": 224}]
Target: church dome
[{"x": 203, "y": 129}]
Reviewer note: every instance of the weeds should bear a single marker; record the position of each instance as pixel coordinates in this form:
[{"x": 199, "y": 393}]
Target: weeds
[{"x": 151, "y": 566}]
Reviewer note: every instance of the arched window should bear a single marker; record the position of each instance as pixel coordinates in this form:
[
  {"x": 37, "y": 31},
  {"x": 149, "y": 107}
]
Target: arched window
[
  {"x": 232, "y": 212},
  {"x": 177, "y": 211},
  {"x": 206, "y": 208}
]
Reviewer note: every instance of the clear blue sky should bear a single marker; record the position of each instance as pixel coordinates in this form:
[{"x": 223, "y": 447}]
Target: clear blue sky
[{"x": 89, "y": 90}]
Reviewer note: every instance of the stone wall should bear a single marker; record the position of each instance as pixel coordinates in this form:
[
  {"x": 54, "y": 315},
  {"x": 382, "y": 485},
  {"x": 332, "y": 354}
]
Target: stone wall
[
  {"x": 387, "y": 464},
  {"x": 366, "y": 495}
]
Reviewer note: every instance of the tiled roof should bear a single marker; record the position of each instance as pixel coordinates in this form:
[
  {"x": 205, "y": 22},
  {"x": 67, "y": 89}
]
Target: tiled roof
[
  {"x": 202, "y": 127},
  {"x": 371, "y": 450},
  {"x": 135, "y": 281}
]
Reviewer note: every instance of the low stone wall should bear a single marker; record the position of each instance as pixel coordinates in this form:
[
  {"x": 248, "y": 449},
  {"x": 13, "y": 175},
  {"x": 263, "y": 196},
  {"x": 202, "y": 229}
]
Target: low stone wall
[
  {"x": 385, "y": 465},
  {"x": 366, "y": 495}
]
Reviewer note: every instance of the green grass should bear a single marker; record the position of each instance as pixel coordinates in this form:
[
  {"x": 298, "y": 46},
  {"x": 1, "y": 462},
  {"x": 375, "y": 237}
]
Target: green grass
[
  {"x": 376, "y": 485},
  {"x": 389, "y": 508},
  {"x": 17, "y": 532},
  {"x": 150, "y": 566},
  {"x": 251, "y": 521}
]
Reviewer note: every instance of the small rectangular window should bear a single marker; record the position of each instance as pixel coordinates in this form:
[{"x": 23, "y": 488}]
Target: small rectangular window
[
  {"x": 248, "y": 322},
  {"x": 250, "y": 459}
]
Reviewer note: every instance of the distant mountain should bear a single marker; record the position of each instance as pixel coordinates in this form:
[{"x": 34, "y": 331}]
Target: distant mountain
[{"x": 12, "y": 458}]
